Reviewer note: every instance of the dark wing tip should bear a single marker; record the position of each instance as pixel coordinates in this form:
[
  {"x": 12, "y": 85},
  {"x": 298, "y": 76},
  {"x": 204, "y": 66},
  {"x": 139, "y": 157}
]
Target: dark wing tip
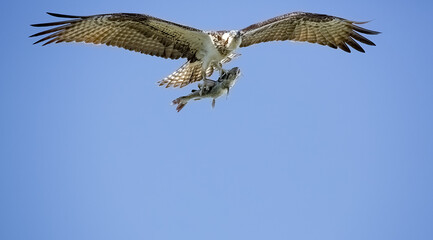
[
  {"x": 57, "y": 23},
  {"x": 42, "y": 24},
  {"x": 50, "y": 24},
  {"x": 354, "y": 35},
  {"x": 364, "y": 30},
  {"x": 354, "y": 45},
  {"x": 344, "y": 47},
  {"x": 60, "y": 26},
  {"x": 361, "y": 38},
  {"x": 63, "y": 15}
]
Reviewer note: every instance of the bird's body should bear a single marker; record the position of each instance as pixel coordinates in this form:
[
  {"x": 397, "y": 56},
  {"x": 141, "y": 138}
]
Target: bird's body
[{"x": 205, "y": 51}]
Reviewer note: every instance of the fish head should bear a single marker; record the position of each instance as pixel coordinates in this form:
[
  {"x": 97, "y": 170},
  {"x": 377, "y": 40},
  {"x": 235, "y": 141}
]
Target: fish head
[{"x": 228, "y": 78}]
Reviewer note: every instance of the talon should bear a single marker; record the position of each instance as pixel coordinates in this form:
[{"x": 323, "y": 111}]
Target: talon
[{"x": 223, "y": 73}]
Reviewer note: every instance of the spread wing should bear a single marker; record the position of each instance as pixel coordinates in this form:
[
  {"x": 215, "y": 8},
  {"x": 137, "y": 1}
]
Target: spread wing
[
  {"x": 135, "y": 32},
  {"x": 326, "y": 30}
]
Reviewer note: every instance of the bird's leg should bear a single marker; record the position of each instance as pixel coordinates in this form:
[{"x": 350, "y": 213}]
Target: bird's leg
[
  {"x": 204, "y": 77},
  {"x": 207, "y": 84},
  {"x": 222, "y": 72},
  {"x": 213, "y": 103},
  {"x": 202, "y": 87},
  {"x": 219, "y": 66}
]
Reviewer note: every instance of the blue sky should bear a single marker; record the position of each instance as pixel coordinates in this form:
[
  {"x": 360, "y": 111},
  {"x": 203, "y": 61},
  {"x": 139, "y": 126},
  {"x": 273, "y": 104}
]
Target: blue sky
[{"x": 312, "y": 143}]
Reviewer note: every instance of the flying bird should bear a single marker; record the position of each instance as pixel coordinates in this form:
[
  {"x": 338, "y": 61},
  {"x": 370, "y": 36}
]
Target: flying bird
[{"x": 205, "y": 51}]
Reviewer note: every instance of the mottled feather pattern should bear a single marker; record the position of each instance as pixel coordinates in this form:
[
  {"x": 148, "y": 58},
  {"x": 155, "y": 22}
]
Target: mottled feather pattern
[
  {"x": 219, "y": 42},
  {"x": 191, "y": 72},
  {"x": 158, "y": 37},
  {"x": 186, "y": 74},
  {"x": 326, "y": 30},
  {"x": 135, "y": 32}
]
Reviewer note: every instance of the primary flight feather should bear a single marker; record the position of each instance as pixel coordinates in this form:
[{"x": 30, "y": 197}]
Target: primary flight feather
[{"x": 205, "y": 51}]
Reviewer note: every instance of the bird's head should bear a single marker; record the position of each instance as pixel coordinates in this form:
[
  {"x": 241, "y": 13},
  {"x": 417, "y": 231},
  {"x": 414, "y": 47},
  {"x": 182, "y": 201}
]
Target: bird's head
[{"x": 233, "y": 39}]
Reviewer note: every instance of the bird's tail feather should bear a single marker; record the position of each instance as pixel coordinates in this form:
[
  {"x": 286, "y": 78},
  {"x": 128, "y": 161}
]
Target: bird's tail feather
[
  {"x": 186, "y": 74},
  {"x": 230, "y": 57}
]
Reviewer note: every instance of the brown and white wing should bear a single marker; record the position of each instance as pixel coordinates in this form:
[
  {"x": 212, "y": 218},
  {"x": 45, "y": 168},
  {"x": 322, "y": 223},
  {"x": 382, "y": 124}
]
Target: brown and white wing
[
  {"x": 326, "y": 30},
  {"x": 135, "y": 32}
]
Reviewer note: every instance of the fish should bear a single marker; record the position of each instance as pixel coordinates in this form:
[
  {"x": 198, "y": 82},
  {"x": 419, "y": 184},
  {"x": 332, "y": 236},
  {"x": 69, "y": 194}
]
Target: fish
[{"x": 210, "y": 88}]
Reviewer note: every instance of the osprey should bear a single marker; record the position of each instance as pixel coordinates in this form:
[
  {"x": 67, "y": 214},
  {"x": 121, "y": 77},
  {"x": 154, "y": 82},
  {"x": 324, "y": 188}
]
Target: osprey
[{"x": 205, "y": 51}]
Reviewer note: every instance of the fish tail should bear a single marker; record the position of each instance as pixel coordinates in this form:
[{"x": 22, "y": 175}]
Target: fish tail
[{"x": 181, "y": 102}]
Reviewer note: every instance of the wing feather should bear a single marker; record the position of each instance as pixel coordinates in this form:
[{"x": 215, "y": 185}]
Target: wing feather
[
  {"x": 135, "y": 32},
  {"x": 323, "y": 29}
]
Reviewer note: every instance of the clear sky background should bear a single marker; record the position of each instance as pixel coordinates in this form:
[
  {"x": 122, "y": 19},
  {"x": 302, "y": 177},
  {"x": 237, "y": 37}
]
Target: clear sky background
[{"x": 312, "y": 143}]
